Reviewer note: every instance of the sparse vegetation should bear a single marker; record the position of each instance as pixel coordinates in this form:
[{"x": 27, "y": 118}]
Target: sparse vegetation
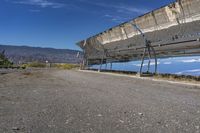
[
  {"x": 189, "y": 78},
  {"x": 34, "y": 64},
  {"x": 4, "y": 62},
  {"x": 65, "y": 66},
  {"x": 27, "y": 73},
  {"x": 172, "y": 77},
  {"x": 43, "y": 65}
]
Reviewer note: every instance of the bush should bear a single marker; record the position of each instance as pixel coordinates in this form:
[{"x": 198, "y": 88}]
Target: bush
[
  {"x": 5, "y": 63},
  {"x": 35, "y": 64},
  {"x": 66, "y": 66},
  {"x": 43, "y": 65}
]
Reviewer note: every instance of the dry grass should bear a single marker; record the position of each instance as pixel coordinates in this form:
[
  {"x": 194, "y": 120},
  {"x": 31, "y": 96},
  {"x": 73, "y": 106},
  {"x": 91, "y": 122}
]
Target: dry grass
[
  {"x": 172, "y": 77},
  {"x": 27, "y": 73},
  {"x": 35, "y": 64},
  {"x": 43, "y": 65},
  {"x": 65, "y": 66}
]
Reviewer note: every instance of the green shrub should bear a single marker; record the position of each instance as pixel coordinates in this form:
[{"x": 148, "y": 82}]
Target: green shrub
[{"x": 5, "y": 63}]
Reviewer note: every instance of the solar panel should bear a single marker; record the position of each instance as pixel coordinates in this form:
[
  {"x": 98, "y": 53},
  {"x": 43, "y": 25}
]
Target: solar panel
[{"x": 172, "y": 30}]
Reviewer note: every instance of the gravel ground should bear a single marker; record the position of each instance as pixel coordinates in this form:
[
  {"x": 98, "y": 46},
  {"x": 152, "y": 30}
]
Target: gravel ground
[{"x": 58, "y": 101}]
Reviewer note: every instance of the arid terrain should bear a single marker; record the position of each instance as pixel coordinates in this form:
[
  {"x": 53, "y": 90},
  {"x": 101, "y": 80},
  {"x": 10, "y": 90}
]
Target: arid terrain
[{"x": 70, "y": 101}]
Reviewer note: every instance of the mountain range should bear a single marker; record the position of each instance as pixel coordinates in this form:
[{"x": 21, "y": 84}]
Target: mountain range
[{"x": 26, "y": 54}]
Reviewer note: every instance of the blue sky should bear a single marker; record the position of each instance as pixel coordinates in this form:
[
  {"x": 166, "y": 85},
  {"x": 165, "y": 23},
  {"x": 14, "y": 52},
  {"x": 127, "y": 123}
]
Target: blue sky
[
  {"x": 62, "y": 23},
  {"x": 181, "y": 65}
]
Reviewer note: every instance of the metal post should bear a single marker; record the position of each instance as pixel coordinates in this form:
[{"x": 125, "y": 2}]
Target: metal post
[
  {"x": 87, "y": 62},
  {"x": 82, "y": 66},
  {"x": 84, "y": 55},
  {"x": 142, "y": 61},
  {"x": 106, "y": 65},
  {"x": 147, "y": 47},
  {"x": 149, "y": 55},
  {"x": 111, "y": 66},
  {"x": 156, "y": 61},
  {"x": 102, "y": 59}
]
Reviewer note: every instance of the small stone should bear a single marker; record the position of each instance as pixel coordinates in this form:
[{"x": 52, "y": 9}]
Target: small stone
[
  {"x": 51, "y": 125},
  {"x": 121, "y": 121},
  {"x": 99, "y": 115},
  {"x": 141, "y": 114},
  {"x": 67, "y": 121},
  {"x": 88, "y": 124},
  {"x": 15, "y": 128},
  {"x": 159, "y": 122},
  {"x": 197, "y": 127}
]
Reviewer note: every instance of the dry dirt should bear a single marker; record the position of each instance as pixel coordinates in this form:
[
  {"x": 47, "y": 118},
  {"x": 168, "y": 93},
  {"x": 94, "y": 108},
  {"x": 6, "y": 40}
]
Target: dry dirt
[{"x": 64, "y": 101}]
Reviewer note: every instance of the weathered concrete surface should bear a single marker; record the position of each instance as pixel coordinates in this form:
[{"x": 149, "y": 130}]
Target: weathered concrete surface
[{"x": 52, "y": 101}]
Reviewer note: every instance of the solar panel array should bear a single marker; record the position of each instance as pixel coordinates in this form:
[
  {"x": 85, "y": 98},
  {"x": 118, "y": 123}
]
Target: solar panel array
[{"x": 173, "y": 30}]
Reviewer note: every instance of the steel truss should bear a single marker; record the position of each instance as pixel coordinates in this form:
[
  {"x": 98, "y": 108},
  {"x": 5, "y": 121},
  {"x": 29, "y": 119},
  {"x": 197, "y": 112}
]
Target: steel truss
[{"x": 149, "y": 51}]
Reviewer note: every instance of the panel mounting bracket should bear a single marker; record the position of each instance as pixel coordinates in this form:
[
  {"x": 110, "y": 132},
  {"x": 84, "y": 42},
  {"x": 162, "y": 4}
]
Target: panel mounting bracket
[{"x": 147, "y": 49}]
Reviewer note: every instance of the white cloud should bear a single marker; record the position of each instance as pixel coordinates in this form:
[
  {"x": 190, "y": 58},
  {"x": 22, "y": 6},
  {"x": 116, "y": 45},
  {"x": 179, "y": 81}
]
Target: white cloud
[
  {"x": 121, "y": 12},
  {"x": 190, "y": 72},
  {"x": 117, "y": 12},
  {"x": 146, "y": 64},
  {"x": 122, "y": 8},
  {"x": 190, "y": 60},
  {"x": 167, "y": 63},
  {"x": 116, "y": 18},
  {"x": 40, "y": 3}
]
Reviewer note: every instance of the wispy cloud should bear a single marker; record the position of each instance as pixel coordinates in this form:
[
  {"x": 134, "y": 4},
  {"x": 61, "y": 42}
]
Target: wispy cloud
[
  {"x": 167, "y": 63},
  {"x": 190, "y": 60},
  {"x": 117, "y": 12},
  {"x": 121, "y": 8},
  {"x": 190, "y": 72},
  {"x": 34, "y": 10},
  {"x": 121, "y": 12},
  {"x": 40, "y": 3},
  {"x": 146, "y": 64},
  {"x": 116, "y": 18}
]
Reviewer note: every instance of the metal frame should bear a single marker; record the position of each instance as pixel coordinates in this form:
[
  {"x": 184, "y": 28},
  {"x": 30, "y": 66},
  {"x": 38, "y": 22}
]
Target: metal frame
[
  {"x": 147, "y": 48},
  {"x": 178, "y": 38},
  {"x": 105, "y": 52},
  {"x": 84, "y": 62},
  {"x": 110, "y": 65}
]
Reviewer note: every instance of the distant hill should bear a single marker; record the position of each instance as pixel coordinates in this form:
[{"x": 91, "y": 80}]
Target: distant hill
[{"x": 24, "y": 54}]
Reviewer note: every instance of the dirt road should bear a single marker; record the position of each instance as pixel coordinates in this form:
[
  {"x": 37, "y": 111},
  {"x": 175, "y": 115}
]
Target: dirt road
[{"x": 58, "y": 101}]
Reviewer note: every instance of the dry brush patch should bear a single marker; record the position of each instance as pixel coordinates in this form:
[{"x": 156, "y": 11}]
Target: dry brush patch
[
  {"x": 166, "y": 76},
  {"x": 66, "y": 66},
  {"x": 50, "y": 65}
]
